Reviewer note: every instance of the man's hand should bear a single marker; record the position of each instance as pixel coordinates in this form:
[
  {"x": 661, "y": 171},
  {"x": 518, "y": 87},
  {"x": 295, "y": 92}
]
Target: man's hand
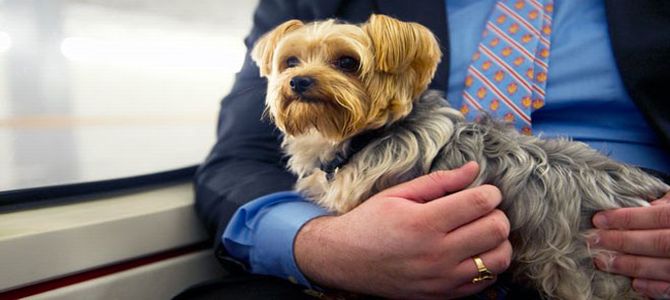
[
  {"x": 411, "y": 241},
  {"x": 641, "y": 238}
]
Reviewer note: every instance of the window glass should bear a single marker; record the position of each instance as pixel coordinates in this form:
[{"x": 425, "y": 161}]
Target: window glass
[{"x": 98, "y": 89}]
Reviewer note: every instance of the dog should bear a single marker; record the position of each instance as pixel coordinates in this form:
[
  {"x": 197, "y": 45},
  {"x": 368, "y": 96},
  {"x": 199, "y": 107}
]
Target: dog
[{"x": 356, "y": 118}]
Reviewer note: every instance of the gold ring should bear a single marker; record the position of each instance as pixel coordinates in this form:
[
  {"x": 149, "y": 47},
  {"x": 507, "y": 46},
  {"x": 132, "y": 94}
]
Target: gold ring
[{"x": 484, "y": 273}]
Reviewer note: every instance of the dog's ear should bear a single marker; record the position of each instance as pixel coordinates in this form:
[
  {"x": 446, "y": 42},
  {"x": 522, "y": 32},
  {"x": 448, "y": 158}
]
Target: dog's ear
[
  {"x": 265, "y": 46},
  {"x": 404, "y": 46}
]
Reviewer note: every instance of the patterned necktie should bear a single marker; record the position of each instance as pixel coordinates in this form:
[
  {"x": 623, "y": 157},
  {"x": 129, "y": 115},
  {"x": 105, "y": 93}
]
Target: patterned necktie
[{"x": 508, "y": 74}]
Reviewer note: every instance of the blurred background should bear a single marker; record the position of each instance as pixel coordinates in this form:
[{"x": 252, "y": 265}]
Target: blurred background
[{"x": 101, "y": 89}]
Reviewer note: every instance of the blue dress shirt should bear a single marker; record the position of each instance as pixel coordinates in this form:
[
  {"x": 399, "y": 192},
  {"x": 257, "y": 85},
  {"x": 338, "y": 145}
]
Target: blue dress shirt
[
  {"x": 261, "y": 233},
  {"x": 585, "y": 100}
]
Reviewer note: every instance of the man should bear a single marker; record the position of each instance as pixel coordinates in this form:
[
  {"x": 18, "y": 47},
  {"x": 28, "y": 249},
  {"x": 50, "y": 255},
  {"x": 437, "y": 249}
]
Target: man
[{"x": 380, "y": 248}]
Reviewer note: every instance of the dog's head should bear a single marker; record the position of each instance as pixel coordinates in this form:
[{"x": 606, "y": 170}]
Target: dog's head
[{"x": 342, "y": 79}]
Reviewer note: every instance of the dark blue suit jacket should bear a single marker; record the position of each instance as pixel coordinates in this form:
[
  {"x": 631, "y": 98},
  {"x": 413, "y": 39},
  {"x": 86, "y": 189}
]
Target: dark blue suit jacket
[{"x": 247, "y": 162}]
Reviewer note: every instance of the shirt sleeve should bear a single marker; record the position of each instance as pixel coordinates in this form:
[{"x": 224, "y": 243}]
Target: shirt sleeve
[{"x": 261, "y": 234}]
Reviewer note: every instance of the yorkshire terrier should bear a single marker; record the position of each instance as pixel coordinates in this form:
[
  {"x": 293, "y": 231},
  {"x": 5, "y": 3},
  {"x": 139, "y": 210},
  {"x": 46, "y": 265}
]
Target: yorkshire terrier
[{"x": 352, "y": 103}]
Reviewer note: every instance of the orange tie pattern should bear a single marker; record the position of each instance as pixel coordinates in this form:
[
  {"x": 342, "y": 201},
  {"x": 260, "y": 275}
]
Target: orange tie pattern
[{"x": 508, "y": 74}]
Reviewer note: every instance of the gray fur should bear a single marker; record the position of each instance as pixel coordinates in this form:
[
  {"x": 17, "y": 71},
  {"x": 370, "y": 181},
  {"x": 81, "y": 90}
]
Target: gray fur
[{"x": 551, "y": 188}]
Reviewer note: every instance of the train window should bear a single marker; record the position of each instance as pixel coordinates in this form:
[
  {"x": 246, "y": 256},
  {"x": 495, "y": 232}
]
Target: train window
[{"x": 93, "y": 90}]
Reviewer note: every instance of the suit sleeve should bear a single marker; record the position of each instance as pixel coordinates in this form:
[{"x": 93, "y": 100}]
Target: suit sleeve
[{"x": 246, "y": 162}]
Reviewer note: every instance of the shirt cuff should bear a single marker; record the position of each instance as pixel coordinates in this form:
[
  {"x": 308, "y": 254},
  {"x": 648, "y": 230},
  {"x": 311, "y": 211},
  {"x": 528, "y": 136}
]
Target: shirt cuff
[{"x": 262, "y": 233}]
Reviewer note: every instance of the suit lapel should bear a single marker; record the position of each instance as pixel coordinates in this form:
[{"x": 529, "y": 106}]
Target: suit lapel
[
  {"x": 642, "y": 52},
  {"x": 432, "y": 14}
]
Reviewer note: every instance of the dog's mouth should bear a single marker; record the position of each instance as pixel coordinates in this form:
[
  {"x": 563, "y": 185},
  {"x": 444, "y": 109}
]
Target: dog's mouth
[
  {"x": 305, "y": 99},
  {"x": 310, "y": 100}
]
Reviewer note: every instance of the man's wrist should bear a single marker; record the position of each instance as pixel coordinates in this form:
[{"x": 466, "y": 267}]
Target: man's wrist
[
  {"x": 262, "y": 234},
  {"x": 311, "y": 248}
]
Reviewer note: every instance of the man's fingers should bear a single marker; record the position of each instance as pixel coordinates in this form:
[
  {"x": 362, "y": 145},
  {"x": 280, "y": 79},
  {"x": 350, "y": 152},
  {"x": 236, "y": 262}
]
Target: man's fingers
[
  {"x": 634, "y": 266},
  {"x": 481, "y": 235},
  {"x": 453, "y": 211},
  {"x": 662, "y": 201},
  {"x": 639, "y": 242},
  {"x": 470, "y": 288},
  {"x": 434, "y": 185},
  {"x": 652, "y": 288},
  {"x": 496, "y": 260},
  {"x": 651, "y": 217}
]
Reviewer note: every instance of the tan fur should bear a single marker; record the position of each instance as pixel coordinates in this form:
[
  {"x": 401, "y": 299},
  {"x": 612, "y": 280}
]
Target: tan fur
[
  {"x": 262, "y": 53},
  {"x": 343, "y": 104},
  {"x": 406, "y": 50}
]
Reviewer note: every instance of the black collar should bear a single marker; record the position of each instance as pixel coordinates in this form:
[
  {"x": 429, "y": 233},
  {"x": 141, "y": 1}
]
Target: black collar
[{"x": 343, "y": 156}]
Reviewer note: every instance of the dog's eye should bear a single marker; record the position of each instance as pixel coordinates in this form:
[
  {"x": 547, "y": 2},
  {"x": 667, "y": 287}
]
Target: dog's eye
[
  {"x": 292, "y": 62},
  {"x": 347, "y": 64}
]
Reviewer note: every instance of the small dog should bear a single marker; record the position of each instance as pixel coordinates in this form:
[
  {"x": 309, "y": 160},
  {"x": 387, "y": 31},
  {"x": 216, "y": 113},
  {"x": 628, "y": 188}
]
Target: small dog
[{"x": 350, "y": 101}]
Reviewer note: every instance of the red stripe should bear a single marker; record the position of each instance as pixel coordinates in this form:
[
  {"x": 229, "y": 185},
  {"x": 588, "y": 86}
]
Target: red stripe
[
  {"x": 540, "y": 8},
  {"x": 509, "y": 69},
  {"x": 516, "y": 45},
  {"x": 512, "y": 71},
  {"x": 523, "y": 22},
  {"x": 501, "y": 95},
  {"x": 471, "y": 101},
  {"x": 537, "y": 5},
  {"x": 53, "y": 284},
  {"x": 538, "y": 90}
]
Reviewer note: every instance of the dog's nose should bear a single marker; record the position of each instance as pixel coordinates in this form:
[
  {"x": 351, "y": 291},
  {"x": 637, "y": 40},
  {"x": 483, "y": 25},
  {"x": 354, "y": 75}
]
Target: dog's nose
[{"x": 301, "y": 84}]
